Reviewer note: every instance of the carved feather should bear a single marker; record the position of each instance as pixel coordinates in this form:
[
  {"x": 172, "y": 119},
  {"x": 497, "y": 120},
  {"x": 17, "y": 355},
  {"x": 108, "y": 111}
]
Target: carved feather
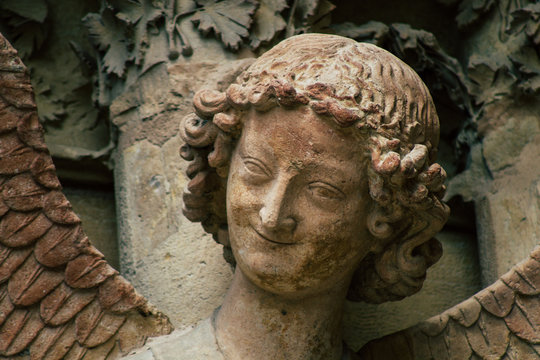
[
  {"x": 500, "y": 322},
  {"x": 59, "y": 298}
]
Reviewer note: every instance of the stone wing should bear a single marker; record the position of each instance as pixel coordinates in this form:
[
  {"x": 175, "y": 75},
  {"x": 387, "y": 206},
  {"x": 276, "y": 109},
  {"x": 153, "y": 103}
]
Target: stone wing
[
  {"x": 500, "y": 322},
  {"x": 59, "y": 298}
]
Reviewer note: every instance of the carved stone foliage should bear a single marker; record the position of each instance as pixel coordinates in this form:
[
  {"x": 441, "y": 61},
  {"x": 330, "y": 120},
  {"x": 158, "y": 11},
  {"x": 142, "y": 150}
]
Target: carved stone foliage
[
  {"x": 24, "y": 24},
  {"x": 133, "y": 36},
  {"x": 58, "y": 56},
  {"x": 59, "y": 299},
  {"x": 470, "y": 11}
]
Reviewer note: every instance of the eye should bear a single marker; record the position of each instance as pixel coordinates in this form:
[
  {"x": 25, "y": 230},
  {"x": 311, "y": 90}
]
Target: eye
[
  {"x": 256, "y": 169},
  {"x": 323, "y": 191}
]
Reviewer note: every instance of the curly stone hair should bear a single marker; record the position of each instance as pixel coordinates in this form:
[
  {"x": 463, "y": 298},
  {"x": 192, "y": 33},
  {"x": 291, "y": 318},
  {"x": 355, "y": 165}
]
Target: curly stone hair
[{"x": 356, "y": 85}]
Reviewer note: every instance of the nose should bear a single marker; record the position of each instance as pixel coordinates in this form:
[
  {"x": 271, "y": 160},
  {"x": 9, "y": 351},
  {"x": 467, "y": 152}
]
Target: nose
[{"x": 273, "y": 213}]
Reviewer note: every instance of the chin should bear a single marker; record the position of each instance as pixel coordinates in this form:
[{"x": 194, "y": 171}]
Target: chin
[{"x": 282, "y": 279}]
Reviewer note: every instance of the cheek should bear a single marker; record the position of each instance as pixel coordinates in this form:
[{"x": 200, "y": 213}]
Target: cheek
[
  {"x": 338, "y": 233},
  {"x": 240, "y": 202}
]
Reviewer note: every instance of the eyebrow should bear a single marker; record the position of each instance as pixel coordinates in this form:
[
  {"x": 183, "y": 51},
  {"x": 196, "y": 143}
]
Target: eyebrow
[{"x": 255, "y": 151}]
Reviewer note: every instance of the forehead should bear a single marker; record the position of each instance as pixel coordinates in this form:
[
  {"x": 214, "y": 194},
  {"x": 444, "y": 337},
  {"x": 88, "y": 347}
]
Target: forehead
[
  {"x": 301, "y": 133},
  {"x": 302, "y": 121}
]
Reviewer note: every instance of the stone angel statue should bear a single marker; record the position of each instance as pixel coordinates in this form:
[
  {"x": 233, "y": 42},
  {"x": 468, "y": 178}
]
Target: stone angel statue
[{"x": 317, "y": 168}]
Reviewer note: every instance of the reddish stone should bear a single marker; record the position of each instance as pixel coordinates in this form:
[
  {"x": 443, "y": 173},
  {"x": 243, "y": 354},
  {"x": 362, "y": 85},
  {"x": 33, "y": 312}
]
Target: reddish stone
[
  {"x": 87, "y": 271},
  {"x": 60, "y": 244}
]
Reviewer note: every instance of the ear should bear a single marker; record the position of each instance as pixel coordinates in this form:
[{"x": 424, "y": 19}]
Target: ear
[
  {"x": 401, "y": 267},
  {"x": 419, "y": 249},
  {"x": 381, "y": 225},
  {"x": 409, "y": 257},
  {"x": 378, "y": 225}
]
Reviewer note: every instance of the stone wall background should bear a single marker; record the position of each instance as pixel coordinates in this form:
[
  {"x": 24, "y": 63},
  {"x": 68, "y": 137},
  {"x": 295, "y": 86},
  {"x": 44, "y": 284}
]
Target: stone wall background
[{"x": 112, "y": 79}]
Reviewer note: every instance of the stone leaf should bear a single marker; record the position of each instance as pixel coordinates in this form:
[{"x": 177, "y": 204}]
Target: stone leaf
[
  {"x": 140, "y": 16},
  {"x": 489, "y": 77},
  {"x": 528, "y": 70},
  {"x": 374, "y": 32},
  {"x": 156, "y": 53},
  {"x": 50, "y": 110},
  {"x": 24, "y": 20},
  {"x": 471, "y": 10},
  {"x": 108, "y": 35},
  {"x": 526, "y": 19},
  {"x": 28, "y": 9},
  {"x": 306, "y": 8},
  {"x": 230, "y": 20},
  {"x": 318, "y": 21},
  {"x": 267, "y": 21},
  {"x": 129, "y": 12}
]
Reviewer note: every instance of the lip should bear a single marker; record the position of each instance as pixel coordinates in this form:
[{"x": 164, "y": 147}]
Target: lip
[{"x": 267, "y": 238}]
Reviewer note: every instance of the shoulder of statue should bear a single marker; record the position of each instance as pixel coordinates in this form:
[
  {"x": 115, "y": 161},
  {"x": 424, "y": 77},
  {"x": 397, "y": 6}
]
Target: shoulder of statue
[{"x": 196, "y": 344}]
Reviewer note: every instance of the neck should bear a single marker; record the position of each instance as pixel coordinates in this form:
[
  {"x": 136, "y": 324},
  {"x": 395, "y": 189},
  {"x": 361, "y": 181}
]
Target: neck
[{"x": 255, "y": 324}]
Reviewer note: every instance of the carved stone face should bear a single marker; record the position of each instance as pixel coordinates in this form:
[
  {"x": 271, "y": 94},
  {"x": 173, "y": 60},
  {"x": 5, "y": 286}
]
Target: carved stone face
[{"x": 297, "y": 200}]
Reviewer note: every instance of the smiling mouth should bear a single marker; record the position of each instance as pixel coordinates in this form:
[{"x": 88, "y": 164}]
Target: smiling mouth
[{"x": 267, "y": 238}]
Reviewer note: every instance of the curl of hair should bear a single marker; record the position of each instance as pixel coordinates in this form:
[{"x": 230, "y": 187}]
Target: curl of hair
[{"x": 356, "y": 85}]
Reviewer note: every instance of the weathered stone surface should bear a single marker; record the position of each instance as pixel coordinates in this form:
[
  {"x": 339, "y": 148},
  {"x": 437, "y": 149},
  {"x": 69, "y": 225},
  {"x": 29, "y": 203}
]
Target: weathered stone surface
[
  {"x": 162, "y": 253},
  {"x": 171, "y": 261},
  {"x": 504, "y": 181},
  {"x": 504, "y": 144}
]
